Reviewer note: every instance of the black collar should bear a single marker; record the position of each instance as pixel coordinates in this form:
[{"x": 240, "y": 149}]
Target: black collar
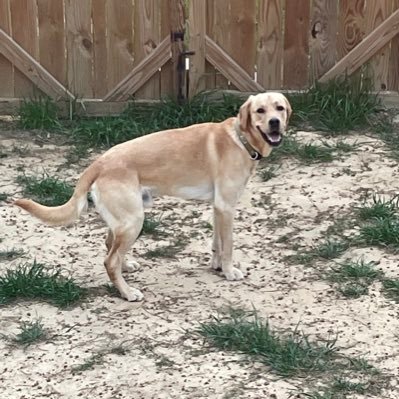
[{"x": 254, "y": 155}]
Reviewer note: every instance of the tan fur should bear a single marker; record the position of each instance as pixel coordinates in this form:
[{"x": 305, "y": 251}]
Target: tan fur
[{"x": 203, "y": 161}]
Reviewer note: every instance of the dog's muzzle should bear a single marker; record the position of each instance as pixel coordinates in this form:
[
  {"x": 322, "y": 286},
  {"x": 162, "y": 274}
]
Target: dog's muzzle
[{"x": 274, "y": 137}]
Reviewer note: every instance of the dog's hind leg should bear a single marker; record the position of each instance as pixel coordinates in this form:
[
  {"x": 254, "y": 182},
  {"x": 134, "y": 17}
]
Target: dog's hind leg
[
  {"x": 127, "y": 265},
  {"x": 121, "y": 206}
]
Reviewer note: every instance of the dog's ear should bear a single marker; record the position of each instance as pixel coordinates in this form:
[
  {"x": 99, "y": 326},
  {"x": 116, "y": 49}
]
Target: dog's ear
[
  {"x": 289, "y": 110},
  {"x": 244, "y": 116}
]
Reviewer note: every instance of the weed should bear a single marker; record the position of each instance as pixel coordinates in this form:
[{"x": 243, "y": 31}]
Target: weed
[
  {"x": 164, "y": 361},
  {"x": 340, "y": 105},
  {"x": 48, "y": 190},
  {"x": 11, "y": 254},
  {"x": 3, "y": 196},
  {"x": 331, "y": 249},
  {"x": 380, "y": 208},
  {"x": 38, "y": 113},
  {"x": 355, "y": 270},
  {"x": 88, "y": 364},
  {"x": 33, "y": 281},
  {"x": 353, "y": 289},
  {"x": 30, "y": 332},
  {"x": 310, "y": 153},
  {"x": 268, "y": 173},
  {"x": 151, "y": 226},
  {"x": 391, "y": 289},
  {"x": 344, "y": 385},
  {"x": 168, "y": 251},
  {"x": 382, "y": 232},
  {"x": 287, "y": 355}
]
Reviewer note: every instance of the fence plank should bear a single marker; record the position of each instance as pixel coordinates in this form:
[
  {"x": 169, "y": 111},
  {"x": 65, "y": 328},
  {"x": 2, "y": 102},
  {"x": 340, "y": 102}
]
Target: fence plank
[
  {"x": 141, "y": 73},
  {"x": 100, "y": 51},
  {"x": 232, "y": 70},
  {"x": 296, "y": 44},
  {"x": 323, "y": 41},
  {"x": 376, "y": 12},
  {"x": 166, "y": 81},
  {"x": 350, "y": 26},
  {"x": 52, "y": 38},
  {"x": 120, "y": 38},
  {"x": 393, "y": 72},
  {"x": 197, "y": 31},
  {"x": 79, "y": 47},
  {"x": 366, "y": 49},
  {"x": 6, "y": 68},
  {"x": 270, "y": 44},
  {"x": 147, "y": 36},
  {"x": 24, "y": 32}
]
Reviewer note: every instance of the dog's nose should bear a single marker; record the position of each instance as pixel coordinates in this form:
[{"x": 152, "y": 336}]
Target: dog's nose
[{"x": 274, "y": 123}]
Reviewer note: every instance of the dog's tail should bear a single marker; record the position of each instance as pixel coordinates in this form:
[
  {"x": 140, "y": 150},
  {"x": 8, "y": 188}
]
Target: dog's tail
[{"x": 64, "y": 214}]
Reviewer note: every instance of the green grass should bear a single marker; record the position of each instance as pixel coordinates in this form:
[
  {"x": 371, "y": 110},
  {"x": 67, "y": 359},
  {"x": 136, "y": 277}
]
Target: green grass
[
  {"x": 291, "y": 354},
  {"x": 3, "y": 196},
  {"x": 151, "y": 226},
  {"x": 38, "y": 113},
  {"x": 168, "y": 251},
  {"x": 379, "y": 208},
  {"x": 330, "y": 249},
  {"x": 381, "y": 232},
  {"x": 35, "y": 282},
  {"x": 11, "y": 254},
  {"x": 47, "y": 190},
  {"x": 30, "y": 332},
  {"x": 391, "y": 289},
  {"x": 269, "y": 172},
  {"x": 338, "y": 106}
]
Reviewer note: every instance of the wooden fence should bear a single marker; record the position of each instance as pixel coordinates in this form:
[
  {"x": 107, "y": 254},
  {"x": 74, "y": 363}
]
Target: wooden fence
[{"x": 106, "y": 51}]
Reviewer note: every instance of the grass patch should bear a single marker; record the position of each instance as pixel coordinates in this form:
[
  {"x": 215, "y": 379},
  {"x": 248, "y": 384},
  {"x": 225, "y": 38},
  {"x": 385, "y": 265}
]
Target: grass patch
[
  {"x": 151, "y": 226},
  {"x": 269, "y": 172},
  {"x": 379, "y": 208},
  {"x": 48, "y": 190},
  {"x": 339, "y": 106},
  {"x": 38, "y": 113},
  {"x": 11, "y": 254},
  {"x": 382, "y": 232},
  {"x": 30, "y": 332},
  {"x": 330, "y": 249},
  {"x": 168, "y": 251},
  {"x": 34, "y": 281},
  {"x": 391, "y": 289},
  {"x": 3, "y": 196},
  {"x": 287, "y": 355}
]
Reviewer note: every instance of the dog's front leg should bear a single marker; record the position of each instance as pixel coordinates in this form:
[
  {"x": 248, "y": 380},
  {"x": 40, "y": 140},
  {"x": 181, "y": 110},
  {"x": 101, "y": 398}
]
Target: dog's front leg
[{"x": 224, "y": 215}]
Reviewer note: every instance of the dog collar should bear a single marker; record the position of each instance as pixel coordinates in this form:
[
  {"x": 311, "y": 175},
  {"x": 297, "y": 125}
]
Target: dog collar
[{"x": 254, "y": 155}]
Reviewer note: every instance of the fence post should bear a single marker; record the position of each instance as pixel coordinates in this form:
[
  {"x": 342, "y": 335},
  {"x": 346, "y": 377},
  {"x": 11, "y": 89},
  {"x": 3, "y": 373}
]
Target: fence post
[{"x": 177, "y": 24}]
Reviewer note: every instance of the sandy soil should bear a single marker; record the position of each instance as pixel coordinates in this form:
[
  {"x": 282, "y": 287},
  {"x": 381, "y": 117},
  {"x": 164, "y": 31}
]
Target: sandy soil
[{"x": 296, "y": 207}]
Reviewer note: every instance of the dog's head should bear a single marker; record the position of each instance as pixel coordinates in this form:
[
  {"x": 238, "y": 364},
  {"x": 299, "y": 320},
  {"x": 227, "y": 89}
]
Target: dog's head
[{"x": 264, "y": 117}]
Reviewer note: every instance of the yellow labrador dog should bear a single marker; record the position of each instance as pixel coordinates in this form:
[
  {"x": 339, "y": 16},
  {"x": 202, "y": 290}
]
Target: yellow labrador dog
[{"x": 208, "y": 161}]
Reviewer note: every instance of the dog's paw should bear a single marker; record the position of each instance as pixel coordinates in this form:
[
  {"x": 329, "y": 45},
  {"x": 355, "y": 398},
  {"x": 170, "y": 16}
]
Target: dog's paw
[
  {"x": 234, "y": 274},
  {"x": 133, "y": 295},
  {"x": 131, "y": 266}
]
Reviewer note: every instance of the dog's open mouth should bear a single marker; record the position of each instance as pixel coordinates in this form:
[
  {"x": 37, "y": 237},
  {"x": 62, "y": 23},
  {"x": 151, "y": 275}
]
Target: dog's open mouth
[{"x": 273, "y": 138}]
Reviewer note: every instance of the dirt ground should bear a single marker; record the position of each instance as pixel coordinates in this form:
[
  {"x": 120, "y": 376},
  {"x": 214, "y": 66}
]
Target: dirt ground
[{"x": 295, "y": 207}]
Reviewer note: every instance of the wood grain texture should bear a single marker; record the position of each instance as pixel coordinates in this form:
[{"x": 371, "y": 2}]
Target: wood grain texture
[
  {"x": 147, "y": 36},
  {"x": 52, "y": 38},
  {"x": 166, "y": 80},
  {"x": 233, "y": 29},
  {"x": 141, "y": 73},
  {"x": 323, "y": 38},
  {"x": 376, "y": 12},
  {"x": 269, "y": 57},
  {"x": 120, "y": 37},
  {"x": 6, "y": 68},
  {"x": 31, "y": 68},
  {"x": 393, "y": 71},
  {"x": 366, "y": 49},
  {"x": 350, "y": 25},
  {"x": 197, "y": 31},
  {"x": 79, "y": 43},
  {"x": 100, "y": 50},
  {"x": 25, "y": 33},
  {"x": 231, "y": 69},
  {"x": 296, "y": 44}
]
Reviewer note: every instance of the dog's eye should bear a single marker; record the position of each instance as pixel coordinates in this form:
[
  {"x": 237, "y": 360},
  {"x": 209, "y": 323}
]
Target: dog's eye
[
  {"x": 260, "y": 110},
  {"x": 280, "y": 108}
]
